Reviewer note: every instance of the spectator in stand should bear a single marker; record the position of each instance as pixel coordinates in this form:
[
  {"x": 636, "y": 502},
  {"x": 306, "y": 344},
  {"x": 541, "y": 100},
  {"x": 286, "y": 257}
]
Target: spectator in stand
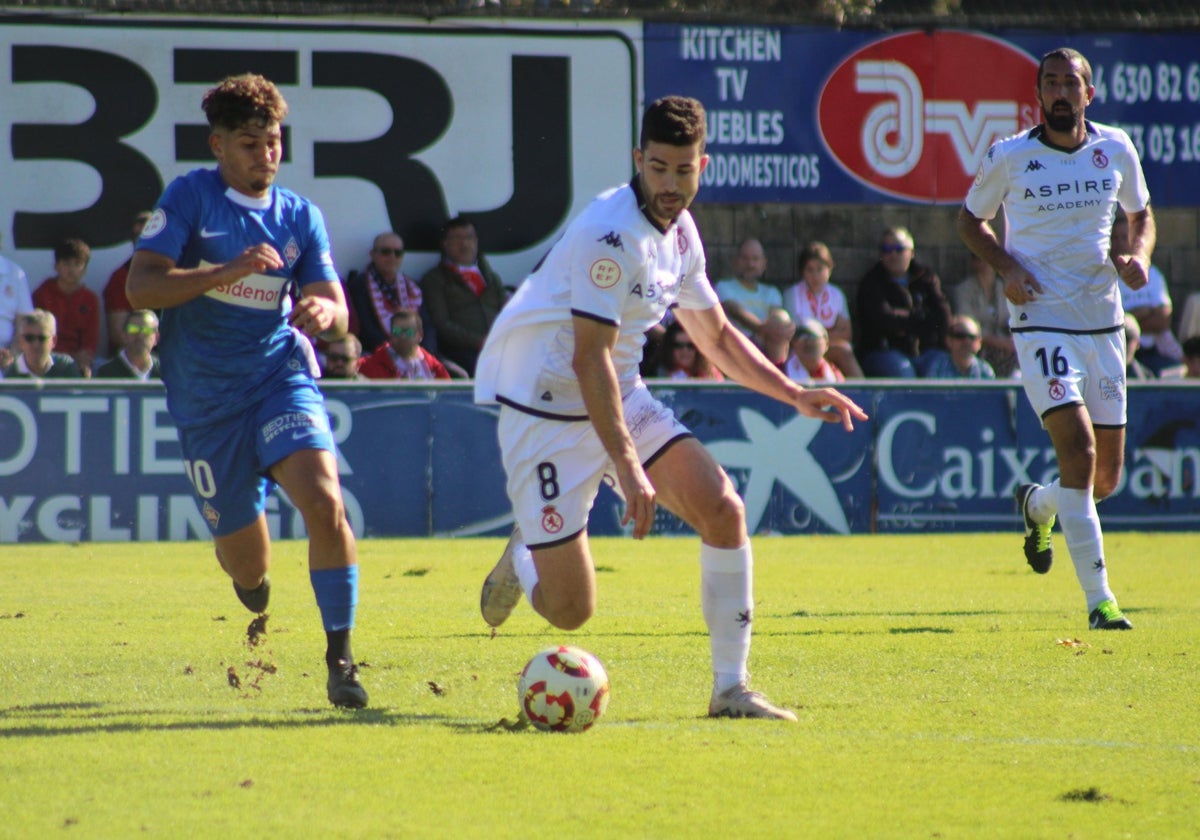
[
  {"x": 343, "y": 358},
  {"x": 815, "y": 297},
  {"x": 1135, "y": 371},
  {"x": 1191, "y": 357},
  {"x": 779, "y": 331},
  {"x": 809, "y": 360},
  {"x": 382, "y": 289},
  {"x": 981, "y": 295},
  {"x": 75, "y": 307},
  {"x": 749, "y": 300},
  {"x": 14, "y": 300},
  {"x": 902, "y": 312},
  {"x": 464, "y": 295},
  {"x": 136, "y": 359},
  {"x": 403, "y": 357},
  {"x": 962, "y": 360},
  {"x": 36, "y": 336},
  {"x": 1158, "y": 348},
  {"x": 683, "y": 359},
  {"x": 116, "y": 304}
]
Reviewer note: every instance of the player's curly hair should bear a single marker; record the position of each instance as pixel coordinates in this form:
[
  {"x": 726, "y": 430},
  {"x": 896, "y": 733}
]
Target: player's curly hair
[
  {"x": 675, "y": 120},
  {"x": 238, "y": 100}
]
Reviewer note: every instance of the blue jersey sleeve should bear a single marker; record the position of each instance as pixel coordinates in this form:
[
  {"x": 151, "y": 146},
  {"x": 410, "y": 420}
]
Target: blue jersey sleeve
[
  {"x": 316, "y": 259},
  {"x": 170, "y": 226}
]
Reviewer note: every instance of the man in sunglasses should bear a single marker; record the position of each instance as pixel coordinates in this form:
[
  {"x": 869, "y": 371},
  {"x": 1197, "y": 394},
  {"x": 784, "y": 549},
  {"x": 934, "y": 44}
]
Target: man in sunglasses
[
  {"x": 36, "y": 336},
  {"x": 962, "y": 360},
  {"x": 902, "y": 312},
  {"x": 403, "y": 357},
  {"x": 136, "y": 359},
  {"x": 382, "y": 289},
  {"x": 342, "y": 359}
]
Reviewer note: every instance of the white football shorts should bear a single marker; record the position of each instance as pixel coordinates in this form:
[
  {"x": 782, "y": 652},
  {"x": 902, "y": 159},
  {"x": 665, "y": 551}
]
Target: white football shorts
[
  {"x": 555, "y": 467},
  {"x": 1059, "y": 369}
]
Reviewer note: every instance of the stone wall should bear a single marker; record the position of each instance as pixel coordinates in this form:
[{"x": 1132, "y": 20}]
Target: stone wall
[{"x": 852, "y": 233}]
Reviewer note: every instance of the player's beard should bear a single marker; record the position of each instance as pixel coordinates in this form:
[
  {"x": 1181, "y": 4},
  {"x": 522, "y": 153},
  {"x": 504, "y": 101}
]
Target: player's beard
[
  {"x": 1062, "y": 120},
  {"x": 665, "y": 211}
]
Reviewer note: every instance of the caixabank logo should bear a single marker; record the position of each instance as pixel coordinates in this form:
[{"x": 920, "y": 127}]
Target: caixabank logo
[{"x": 912, "y": 115}]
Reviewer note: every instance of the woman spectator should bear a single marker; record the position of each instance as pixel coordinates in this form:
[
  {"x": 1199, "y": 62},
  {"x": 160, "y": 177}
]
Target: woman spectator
[
  {"x": 815, "y": 297},
  {"x": 683, "y": 359}
]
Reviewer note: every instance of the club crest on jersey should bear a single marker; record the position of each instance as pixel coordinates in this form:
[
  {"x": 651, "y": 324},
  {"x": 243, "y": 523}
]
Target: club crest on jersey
[
  {"x": 552, "y": 521},
  {"x": 211, "y": 515},
  {"x": 682, "y": 240},
  {"x": 605, "y": 273},
  {"x": 155, "y": 224},
  {"x": 291, "y": 252},
  {"x": 1057, "y": 390},
  {"x": 1099, "y": 159}
]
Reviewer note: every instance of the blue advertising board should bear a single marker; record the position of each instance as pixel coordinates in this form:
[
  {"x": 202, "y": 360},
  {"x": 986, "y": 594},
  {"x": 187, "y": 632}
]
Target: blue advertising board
[
  {"x": 95, "y": 462},
  {"x": 803, "y": 114}
]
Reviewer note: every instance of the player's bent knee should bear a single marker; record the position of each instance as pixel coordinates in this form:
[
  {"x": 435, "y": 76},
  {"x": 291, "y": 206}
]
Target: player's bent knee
[{"x": 570, "y": 615}]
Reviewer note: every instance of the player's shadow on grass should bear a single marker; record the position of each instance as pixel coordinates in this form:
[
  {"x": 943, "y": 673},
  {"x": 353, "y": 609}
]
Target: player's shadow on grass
[{"x": 57, "y": 719}]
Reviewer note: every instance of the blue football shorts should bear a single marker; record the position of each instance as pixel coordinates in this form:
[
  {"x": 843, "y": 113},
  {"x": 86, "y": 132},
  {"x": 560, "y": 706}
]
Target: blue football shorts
[{"x": 228, "y": 461}]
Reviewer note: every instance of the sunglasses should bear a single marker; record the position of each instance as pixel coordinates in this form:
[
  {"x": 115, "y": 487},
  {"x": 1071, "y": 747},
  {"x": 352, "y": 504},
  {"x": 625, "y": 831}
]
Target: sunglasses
[
  {"x": 892, "y": 249},
  {"x": 404, "y": 332},
  {"x": 34, "y": 338},
  {"x": 391, "y": 252},
  {"x": 143, "y": 329},
  {"x": 684, "y": 345},
  {"x": 337, "y": 357},
  {"x": 964, "y": 335}
]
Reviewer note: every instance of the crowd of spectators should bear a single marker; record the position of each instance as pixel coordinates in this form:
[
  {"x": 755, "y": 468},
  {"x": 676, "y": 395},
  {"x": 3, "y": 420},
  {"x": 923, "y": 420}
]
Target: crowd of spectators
[{"x": 903, "y": 323}]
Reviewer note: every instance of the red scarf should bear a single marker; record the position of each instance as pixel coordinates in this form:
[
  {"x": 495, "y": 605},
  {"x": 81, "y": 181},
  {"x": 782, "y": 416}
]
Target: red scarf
[{"x": 471, "y": 276}]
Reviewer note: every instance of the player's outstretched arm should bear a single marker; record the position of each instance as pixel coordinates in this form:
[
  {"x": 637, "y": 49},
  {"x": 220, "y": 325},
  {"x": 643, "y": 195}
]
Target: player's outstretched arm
[
  {"x": 739, "y": 359},
  {"x": 154, "y": 281}
]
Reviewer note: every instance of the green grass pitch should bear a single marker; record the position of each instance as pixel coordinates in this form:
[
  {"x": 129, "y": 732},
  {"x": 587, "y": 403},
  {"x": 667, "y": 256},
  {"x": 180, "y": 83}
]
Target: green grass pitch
[{"x": 943, "y": 690}]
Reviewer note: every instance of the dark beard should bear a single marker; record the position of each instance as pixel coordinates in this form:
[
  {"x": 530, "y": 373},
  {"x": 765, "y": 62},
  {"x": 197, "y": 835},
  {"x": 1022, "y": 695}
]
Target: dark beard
[{"x": 1060, "y": 121}]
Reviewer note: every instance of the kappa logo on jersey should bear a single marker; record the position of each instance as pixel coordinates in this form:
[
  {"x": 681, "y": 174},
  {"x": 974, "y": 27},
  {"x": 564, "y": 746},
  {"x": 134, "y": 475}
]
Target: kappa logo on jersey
[
  {"x": 1099, "y": 159},
  {"x": 911, "y": 115},
  {"x": 291, "y": 252},
  {"x": 605, "y": 273},
  {"x": 612, "y": 238},
  {"x": 1034, "y": 166}
]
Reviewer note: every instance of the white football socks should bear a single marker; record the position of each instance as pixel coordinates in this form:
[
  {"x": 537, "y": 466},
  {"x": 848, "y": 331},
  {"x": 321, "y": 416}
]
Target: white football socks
[
  {"x": 1080, "y": 525},
  {"x": 1043, "y": 503},
  {"x": 526, "y": 570},
  {"x": 727, "y": 599}
]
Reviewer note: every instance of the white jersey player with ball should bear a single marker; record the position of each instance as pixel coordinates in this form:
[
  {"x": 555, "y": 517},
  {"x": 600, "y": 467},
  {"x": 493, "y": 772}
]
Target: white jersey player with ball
[
  {"x": 1060, "y": 185},
  {"x": 562, "y": 362}
]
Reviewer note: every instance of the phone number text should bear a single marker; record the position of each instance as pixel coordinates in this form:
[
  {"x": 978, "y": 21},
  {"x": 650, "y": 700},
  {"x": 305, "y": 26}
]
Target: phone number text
[{"x": 1163, "y": 143}]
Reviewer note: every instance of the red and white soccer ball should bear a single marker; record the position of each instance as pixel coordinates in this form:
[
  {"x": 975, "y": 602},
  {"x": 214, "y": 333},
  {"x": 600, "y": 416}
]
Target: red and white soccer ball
[{"x": 563, "y": 689}]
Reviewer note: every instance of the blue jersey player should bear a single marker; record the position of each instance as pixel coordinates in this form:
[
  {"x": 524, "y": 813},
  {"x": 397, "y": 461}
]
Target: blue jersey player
[{"x": 219, "y": 255}]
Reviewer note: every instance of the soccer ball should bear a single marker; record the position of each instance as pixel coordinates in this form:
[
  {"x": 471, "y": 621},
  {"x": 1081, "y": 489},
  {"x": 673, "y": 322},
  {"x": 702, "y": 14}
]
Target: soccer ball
[{"x": 563, "y": 689}]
